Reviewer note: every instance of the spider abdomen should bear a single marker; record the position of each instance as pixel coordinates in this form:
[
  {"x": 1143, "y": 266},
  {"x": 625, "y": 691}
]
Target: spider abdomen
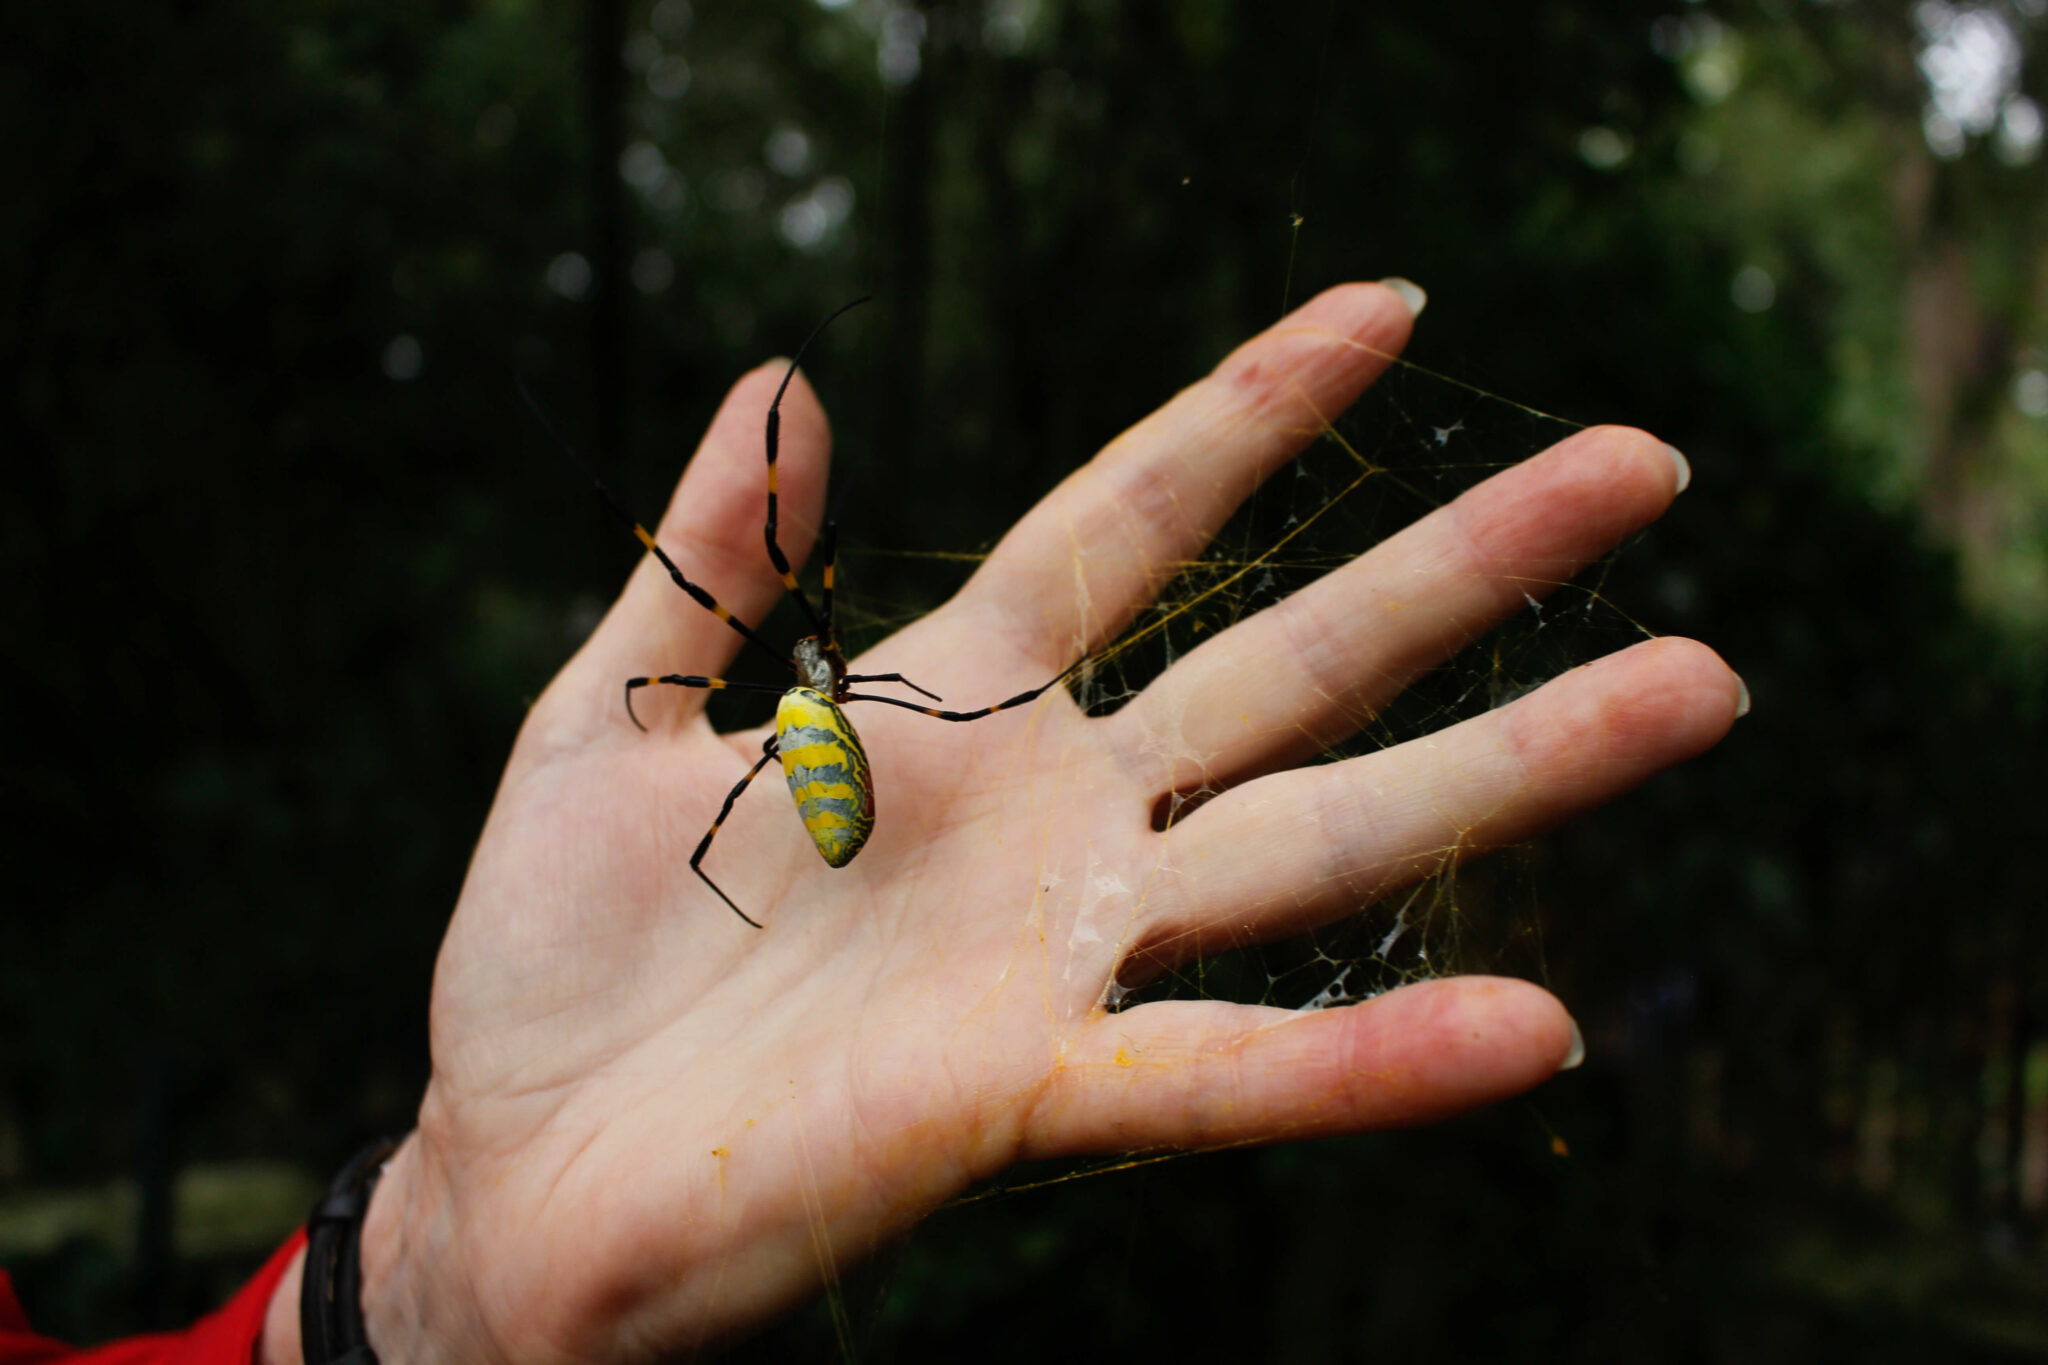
[{"x": 827, "y": 771}]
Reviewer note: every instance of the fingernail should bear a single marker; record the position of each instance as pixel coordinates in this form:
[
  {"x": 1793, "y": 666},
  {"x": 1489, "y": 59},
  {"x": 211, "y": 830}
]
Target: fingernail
[
  {"x": 1411, "y": 293},
  {"x": 1684, "y": 468},
  {"x": 1741, "y": 698},
  {"x": 1574, "y": 1058}
]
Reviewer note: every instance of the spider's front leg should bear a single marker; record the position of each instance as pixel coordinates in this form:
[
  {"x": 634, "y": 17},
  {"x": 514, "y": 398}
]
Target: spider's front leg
[{"x": 692, "y": 680}]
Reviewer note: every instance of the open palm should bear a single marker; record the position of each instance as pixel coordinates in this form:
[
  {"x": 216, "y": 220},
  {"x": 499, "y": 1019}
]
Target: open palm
[{"x": 651, "y": 1126}]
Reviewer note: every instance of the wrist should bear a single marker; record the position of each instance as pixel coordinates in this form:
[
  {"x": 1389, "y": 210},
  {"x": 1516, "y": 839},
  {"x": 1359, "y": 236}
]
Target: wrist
[
  {"x": 394, "y": 1259},
  {"x": 412, "y": 1312}
]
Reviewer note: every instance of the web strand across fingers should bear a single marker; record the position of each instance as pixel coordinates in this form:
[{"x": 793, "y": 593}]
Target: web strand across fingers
[{"x": 1273, "y": 641}]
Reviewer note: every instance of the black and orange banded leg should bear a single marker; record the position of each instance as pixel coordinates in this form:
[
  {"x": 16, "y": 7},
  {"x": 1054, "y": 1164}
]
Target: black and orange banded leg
[
  {"x": 825, "y": 596},
  {"x": 831, "y": 544},
  {"x": 693, "y": 680},
  {"x": 697, "y": 594},
  {"x": 821, "y": 623},
  {"x": 1004, "y": 705},
  {"x": 704, "y": 844},
  {"x": 897, "y": 678}
]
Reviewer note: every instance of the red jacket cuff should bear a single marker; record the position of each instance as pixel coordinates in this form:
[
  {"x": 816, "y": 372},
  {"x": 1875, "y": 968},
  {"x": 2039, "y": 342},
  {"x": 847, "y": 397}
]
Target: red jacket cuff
[{"x": 226, "y": 1336}]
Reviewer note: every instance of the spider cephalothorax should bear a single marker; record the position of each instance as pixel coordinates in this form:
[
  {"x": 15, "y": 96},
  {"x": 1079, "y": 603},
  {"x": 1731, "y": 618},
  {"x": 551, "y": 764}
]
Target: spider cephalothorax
[{"x": 818, "y": 666}]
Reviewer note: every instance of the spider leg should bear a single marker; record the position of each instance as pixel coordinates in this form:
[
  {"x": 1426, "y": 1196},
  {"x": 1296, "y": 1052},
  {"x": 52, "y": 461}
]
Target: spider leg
[
  {"x": 693, "y": 680},
  {"x": 697, "y": 593},
  {"x": 832, "y": 628},
  {"x": 891, "y": 677},
  {"x": 820, "y": 624},
  {"x": 704, "y": 844},
  {"x": 1003, "y": 705},
  {"x": 831, "y": 554}
]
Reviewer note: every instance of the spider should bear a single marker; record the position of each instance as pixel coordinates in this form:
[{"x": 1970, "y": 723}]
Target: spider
[{"x": 822, "y": 757}]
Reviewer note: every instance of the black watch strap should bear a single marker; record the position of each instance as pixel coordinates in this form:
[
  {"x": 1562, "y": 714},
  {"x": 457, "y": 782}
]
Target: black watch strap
[{"x": 330, "y": 1299}]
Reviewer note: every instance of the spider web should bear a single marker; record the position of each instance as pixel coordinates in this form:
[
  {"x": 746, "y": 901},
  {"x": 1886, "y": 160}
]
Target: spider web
[{"x": 1413, "y": 443}]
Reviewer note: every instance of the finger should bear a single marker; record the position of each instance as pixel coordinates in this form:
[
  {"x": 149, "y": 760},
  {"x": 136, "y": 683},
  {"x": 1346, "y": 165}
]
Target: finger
[
  {"x": 1300, "y": 848},
  {"x": 1189, "y": 1074},
  {"x": 712, "y": 531},
  {"x": 1311, "y": 671},
  {"x": 1099, "y": 547}
]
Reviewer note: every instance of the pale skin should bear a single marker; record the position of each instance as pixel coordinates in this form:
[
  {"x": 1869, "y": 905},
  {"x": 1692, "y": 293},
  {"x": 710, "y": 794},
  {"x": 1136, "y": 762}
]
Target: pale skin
[{"x": 651, "y": 1128}]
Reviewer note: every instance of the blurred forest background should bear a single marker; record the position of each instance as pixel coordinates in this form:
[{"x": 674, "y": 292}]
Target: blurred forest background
[{"x": 285, "y": 561}]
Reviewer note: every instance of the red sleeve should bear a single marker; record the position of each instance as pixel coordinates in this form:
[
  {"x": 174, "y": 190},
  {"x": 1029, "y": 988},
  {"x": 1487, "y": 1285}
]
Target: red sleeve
[{"x": 226, "y": 1336}]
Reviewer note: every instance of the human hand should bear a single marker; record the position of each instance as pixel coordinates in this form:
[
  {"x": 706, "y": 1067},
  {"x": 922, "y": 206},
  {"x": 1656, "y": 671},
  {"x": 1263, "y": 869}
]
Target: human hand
[{"x": 651, "y": 1127}]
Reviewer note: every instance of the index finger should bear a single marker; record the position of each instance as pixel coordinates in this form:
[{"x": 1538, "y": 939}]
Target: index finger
[{"x": 1090, "y": 556}]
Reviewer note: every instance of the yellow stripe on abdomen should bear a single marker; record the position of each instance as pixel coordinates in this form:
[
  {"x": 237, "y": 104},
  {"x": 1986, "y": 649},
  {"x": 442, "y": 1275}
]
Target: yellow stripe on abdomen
[{"x": 827, "y": 771}]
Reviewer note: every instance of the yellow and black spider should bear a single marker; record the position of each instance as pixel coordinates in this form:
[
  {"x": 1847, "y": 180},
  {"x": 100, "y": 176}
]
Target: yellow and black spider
[{"x": 822, "y": 757}]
